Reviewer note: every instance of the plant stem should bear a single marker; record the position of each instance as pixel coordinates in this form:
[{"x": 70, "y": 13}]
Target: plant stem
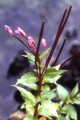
[
  {"x": 59, "y": 53},
  {"x": 36, "y": 107},
  {"x": 72, "y": 57},
  {"x": 23, "y": 44},
  {"x": 39, "y": 41},
  {"x": 38, "y": 93},
  {"x": 60, "y": 29}
]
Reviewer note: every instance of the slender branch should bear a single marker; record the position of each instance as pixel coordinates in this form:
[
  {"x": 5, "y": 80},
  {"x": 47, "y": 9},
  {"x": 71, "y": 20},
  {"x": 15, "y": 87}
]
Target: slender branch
[
  {"x": 38, "y": 45},
  {"x": 55, "y": 42},
  {"x": 38, "y": 93},
  {"x": 59, "y": 53},
  {"x": 38, "y": 60},
  {"x": 72, "y": 57},
  {"x": 60, "y": 29},
  {"x": 59, "y": 32},
  {"x": 23, "y": 44},
  {"x": 39, "y": 40},
  {"x": 35, "y": 113},
  {"x": 68, "y": 13},
  {"x": 64, "y": 14}
]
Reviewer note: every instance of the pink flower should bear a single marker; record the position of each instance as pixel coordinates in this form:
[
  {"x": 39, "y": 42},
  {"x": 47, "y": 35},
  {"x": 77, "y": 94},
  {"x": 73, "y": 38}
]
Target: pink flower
[
  {"x": 20, "y": 31},
  {"x": 8, "y": 29},
  {"x": 44, "y": 43},
  {"x": 31, "y": 41}
]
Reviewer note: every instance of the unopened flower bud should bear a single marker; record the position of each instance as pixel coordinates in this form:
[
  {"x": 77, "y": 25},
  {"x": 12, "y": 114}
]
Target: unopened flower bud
[
  {"x": 20, "y": 31},
  {"x": 43, "y": 41},
  {"x": 31, "y": 41},
  {"x": 8, "y": 29}
]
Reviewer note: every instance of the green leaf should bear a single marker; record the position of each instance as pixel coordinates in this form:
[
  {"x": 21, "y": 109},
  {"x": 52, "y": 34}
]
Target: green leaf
[
  {"x": 48, "y": 109},
  {"x": 38, "y": 99},
  {"x": 47, "y": 95},
  {"x": 69, "y": 110},
  {"x": 57, "y": 67},
  {"x": 43, "y": 54},
  {"x": 29, "y": 80},
  {"x": 76, "y": 100},
  {"x": 29, "y": 107},
  {"x": 64, "y": 109},
  {"x": 26, "y": 95},
  {"x": 75, "y": 90},
  {"x": 30, "y": 57},
  {"x": 45, "y": 88},
  {"x": 72, "y": 112},
  {"x": 69, "y": 100},
  {"x": 62, "y": 92},
  {"x": 61, "y": 117},
  {"x": 67, "y": 117},
  {"x": 50, "y": 79},
  {"x": 33, "y": 86},
  {"x": 51, "y": 73}
]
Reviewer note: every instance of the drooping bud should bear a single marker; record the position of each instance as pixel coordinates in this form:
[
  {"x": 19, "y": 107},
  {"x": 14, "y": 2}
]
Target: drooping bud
[
  {"x": 8, "y": 29},
  {"x": 43, "y": 41},
  {"x": 20, "y": 31},
  {"x": 31, "y": 41}
]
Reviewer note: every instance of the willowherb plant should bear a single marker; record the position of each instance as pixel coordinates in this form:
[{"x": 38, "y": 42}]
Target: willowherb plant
[{"x": 40, "y": 105}]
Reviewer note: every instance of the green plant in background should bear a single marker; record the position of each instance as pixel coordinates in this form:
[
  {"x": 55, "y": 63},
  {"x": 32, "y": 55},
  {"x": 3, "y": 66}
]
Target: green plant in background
[{"x": 39, "y": 106}]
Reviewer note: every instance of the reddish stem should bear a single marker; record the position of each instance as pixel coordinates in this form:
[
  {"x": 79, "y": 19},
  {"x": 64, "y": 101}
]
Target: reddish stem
[
  {"x": 60, "y": 29},
  {"x": 24, "y": 44},
  {"x": 59, "y": 53}
]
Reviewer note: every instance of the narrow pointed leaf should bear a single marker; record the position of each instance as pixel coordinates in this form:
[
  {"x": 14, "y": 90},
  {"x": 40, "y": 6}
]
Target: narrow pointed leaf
[
  {"x": 43, "y": 54},
  {"x": 29, "y": 80},
  {"x": 75, "y": 90},
  {"x": 62, "y": 92},
  {"x": 72, "y": 112},
  {"x": 45, "y": 88},
  {"x": 51, "y": 79},
  {"x": 48, "y": 95},
  {"x": 57, "y": 67},
  {"x": 76, "y": 100},
  {"x": 61, "y": 117},
  {"x": 53, "y": 72},
  {"x": 48, "y": 109},
  {"x": 30, "y": 57},
  {"x": 29, "y": 107},
  {"x": 26, "y": 95},
  {"x": 67, "y": 117}
]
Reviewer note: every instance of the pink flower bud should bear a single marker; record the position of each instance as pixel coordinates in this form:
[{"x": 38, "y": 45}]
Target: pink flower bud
[
  {"x": 20, "y": 31},
  {"x": 44, "y": 43},
  {"x": 31, "y": 41},
  {"x": 8, "y": 29}
]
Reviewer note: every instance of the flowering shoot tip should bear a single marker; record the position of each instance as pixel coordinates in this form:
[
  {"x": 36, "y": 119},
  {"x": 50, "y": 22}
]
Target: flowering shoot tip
[
  {"x": 31, "y": 41},
  {"x": 8, "y": 29},
  {"x": 20, "y": 31},
  {"x": 43, "y": 41}
]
